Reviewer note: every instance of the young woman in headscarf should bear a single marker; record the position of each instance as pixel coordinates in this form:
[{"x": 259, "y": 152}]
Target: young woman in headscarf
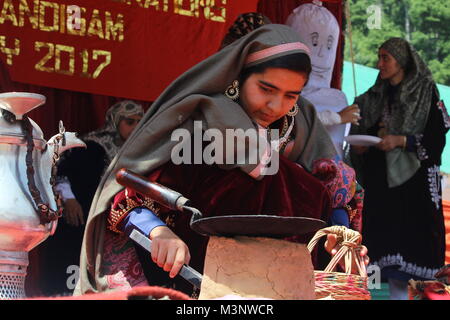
[
  {"x": 79, "y": 174},
  {"x": 403, "y": 222},
  {"x": 268, "y": 67}
]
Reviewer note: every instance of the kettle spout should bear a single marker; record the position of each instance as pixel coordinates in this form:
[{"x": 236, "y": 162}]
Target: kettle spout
[{"x": 71, "y": 142}]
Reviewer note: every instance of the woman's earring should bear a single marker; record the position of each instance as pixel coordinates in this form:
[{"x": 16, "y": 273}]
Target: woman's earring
[
  {"x": 232, "y": 91},
  {"x": 293, "y": 111}
]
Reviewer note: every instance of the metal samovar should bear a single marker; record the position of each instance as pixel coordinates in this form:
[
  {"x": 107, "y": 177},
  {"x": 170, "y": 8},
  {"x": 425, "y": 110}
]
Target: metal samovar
[{"x": 29, "y": 209}]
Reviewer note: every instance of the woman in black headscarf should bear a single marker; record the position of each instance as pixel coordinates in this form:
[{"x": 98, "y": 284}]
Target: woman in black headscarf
[
  {"x": 403, "y": 224},
  {"x": 79, "y": 173}
]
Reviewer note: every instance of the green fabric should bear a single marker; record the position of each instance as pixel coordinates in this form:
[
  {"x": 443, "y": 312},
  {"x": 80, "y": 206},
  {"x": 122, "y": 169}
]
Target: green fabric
[{"x": 196, "y": 95}]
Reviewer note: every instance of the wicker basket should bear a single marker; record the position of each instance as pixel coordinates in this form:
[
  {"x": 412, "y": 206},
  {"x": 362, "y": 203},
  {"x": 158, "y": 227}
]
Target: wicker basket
[{"x": 341, "y": 285}]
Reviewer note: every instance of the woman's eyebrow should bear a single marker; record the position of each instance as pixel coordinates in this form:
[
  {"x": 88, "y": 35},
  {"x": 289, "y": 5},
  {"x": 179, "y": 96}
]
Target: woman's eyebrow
[{"x": 275, "y": 87}]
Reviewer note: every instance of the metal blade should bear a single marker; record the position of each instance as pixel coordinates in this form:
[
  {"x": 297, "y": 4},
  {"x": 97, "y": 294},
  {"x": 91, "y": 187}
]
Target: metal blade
[{"x": 188, "y": 273}]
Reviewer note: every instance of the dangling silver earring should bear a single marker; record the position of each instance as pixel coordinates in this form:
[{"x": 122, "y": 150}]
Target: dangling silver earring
[
  {"x": 293, "y": 111},
  {"x": 232, "y": 91}
]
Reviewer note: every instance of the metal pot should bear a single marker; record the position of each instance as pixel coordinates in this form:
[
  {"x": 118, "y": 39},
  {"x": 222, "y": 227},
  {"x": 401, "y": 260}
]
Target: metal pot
[{"x": 21, "y": 226}]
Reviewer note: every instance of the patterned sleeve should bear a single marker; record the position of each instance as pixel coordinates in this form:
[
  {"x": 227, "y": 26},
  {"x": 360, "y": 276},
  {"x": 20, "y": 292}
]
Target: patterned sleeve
[
  {"x": 345, "y": 192},
  {"x": 124, "y": 202}
]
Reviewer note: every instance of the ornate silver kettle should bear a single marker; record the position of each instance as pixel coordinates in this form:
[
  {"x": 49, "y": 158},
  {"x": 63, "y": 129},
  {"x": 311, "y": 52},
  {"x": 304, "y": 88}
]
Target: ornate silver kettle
[{"x": 28, "y": 206}]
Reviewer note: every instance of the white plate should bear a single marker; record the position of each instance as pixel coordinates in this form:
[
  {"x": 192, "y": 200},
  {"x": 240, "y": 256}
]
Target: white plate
[{"x": 362, "y": 140}]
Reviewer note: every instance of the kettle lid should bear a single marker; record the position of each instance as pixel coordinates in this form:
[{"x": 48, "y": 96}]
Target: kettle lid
[{"x": 19, "y": 103}]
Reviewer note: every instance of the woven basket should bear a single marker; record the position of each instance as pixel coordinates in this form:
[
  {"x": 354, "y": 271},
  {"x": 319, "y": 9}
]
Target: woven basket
[{"x": 341, "y": 285}]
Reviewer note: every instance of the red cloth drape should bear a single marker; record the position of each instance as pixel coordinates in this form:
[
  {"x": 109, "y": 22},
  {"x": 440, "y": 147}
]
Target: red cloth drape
[
  {"x": 278, "y": 12},
  {"x": 83, "y": 112},
  {"x": 80, "y": 112}
]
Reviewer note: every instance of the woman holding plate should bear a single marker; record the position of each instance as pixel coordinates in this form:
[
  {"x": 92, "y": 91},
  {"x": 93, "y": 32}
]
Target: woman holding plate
[{"x": 403, "y": 222}]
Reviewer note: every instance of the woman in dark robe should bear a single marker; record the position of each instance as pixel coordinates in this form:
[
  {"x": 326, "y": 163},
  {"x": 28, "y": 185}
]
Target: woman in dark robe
[
  {"x": 403, "y": 224},
  {"x": 79, "y": 173},
  {"x": 271, "y": 66}
]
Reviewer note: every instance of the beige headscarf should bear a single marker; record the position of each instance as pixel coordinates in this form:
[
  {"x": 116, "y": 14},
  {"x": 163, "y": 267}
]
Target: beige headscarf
[
  {"x": 196, "y": 95},
  {"x": 108, "y": 136}
]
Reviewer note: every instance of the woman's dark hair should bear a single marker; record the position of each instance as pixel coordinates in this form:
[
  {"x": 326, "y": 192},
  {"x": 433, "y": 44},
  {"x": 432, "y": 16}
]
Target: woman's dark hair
[
  {"x": 243, "y": 25},
  {"x": 299, "y": 62}
]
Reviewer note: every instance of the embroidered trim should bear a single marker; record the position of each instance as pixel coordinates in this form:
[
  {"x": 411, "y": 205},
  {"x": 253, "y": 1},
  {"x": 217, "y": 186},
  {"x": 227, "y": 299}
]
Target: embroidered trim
[
  {"x": 119, "y": 255},
  {"x": 434, "y": 180},
  {"x": 351, "y": 212},
  {"x": 421, "y": 151},
  {"x": 118, "y": 281},
  {"x": 445, "y": 116},
  {"x": 116, "y": 216},
  {"x": 277, "y": 49},
  {"x": 408, "y": 267}
]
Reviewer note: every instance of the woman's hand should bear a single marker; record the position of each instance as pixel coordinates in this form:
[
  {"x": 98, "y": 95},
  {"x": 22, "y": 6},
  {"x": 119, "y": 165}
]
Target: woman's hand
[
  {"x": 168, "y": 251},
  {"x": 332, "y": 248},
  {"x": 391, "y": 142},
  {"x": 350, "y": 114},
  {"x": 73, "y": 213}
]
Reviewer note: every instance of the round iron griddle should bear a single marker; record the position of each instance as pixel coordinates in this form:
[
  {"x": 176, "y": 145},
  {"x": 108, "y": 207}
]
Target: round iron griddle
[{"x": 255, "y": 226}]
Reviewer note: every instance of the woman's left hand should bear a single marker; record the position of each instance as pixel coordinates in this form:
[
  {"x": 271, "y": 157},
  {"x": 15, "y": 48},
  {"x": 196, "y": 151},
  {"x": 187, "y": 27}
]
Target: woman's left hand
[
  {"x": 332, "y": 248},
  {"x": 391, "y": 142}
]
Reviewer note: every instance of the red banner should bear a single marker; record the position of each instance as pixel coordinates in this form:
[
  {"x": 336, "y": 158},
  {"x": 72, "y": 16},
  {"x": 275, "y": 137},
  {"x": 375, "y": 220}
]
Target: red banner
[{"x": 124, "y": 48}]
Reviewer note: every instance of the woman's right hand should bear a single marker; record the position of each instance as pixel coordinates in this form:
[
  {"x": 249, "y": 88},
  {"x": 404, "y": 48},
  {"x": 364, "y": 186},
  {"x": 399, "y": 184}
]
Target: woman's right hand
[
  {"x": 350, "y": 114},
  {"x": 168, "y": 250}
]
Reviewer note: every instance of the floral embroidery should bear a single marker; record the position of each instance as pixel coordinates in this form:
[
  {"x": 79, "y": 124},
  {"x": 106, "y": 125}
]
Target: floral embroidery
[
  {"x": 355, "y": 206},
  {"x": 118, "y": 281},
  {"x": 445, "y": 116},
  {"x": 434, "y": 181},
  {"x": 340, "y": 181},
  {"x": 421, "y": 151},
  {"x": 338, "y": 178},
  {"x": 408, "y": 267},
  {"x": 120, "y": 264}
]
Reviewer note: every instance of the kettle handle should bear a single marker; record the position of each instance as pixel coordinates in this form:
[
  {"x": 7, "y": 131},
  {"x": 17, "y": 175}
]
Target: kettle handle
[{"x": 46, "y": 214}]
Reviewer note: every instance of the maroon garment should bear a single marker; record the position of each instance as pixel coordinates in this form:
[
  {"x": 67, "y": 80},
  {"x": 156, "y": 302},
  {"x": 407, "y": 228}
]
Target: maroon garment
[{"x": 216, "y": 192}]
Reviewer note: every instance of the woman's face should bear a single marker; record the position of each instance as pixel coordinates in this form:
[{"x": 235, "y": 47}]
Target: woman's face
[
  {"x": 268, "y": 96},
  {"x": 389, "y": 68},
  {"x": 127, "y": 125}
]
